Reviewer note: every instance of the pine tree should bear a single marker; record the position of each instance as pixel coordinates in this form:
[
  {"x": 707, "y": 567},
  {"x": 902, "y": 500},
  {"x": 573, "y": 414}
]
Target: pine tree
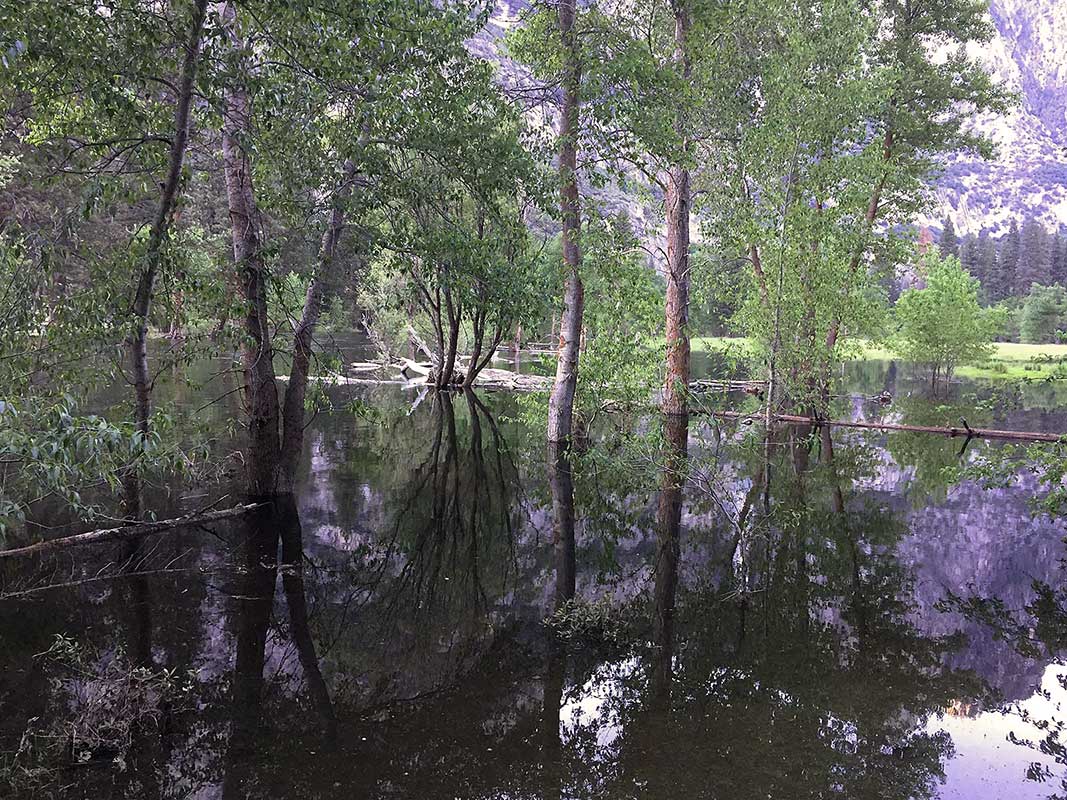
[
  {"x": 985, "y": 266},
  {"x": 1002, "y": 284},
  {"x": 1035, "y": 259},
  {"x": 968, "y": 255},
  {"x": 1059, "y": 259},
  {"x": 950, "y": 242}
]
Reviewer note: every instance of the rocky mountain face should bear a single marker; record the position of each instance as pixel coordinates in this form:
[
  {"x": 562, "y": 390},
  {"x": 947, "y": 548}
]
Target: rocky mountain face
[{"x": 1028, "y": 176}]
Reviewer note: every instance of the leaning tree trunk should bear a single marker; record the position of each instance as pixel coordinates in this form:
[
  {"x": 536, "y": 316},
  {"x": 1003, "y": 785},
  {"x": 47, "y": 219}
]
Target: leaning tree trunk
[
  {"x": 142, "y": 302},
  {"x": 304, "y": 335},
  {"x": 874, "y": 207},
  {"x": 678, "y": 200},
  {"x": 260, "y": 389},
  {"x": 561, "y": 401}
]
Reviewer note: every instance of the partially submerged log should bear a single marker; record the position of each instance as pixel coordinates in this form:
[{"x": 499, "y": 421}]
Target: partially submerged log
[
  {"x": 749, "y": 387},
  {"x": 951, "y": 432},
  {"x": 409, "y": 367},
  {"x": 128, "y": 531},
  {"x": 506, "y": 380}
]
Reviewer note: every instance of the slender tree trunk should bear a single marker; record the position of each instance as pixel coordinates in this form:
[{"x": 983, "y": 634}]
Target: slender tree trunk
[
  {"x": 448, "y": 357},
  {"x": 874, "y": 206},
  {"x": 142, "y": 302},
  {"x": 478, "y": 325},
  {"x": 678, "y": 201},
  {"x": 317, "y": 296},
  {"x": 561, "y": 401},
  {"x": 260, "y": 389}
]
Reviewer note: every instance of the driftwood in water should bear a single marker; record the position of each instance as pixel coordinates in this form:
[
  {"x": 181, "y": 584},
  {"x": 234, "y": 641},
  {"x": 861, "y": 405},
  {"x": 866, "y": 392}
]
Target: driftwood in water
[
  {"x": 128, "y": 531},
  {"x": 421, "y": 344},
  {"x": 751, "y": 387},
  {"x": 966, "y": 431},
  {"x": 506, "y": 380},
  {"x": 409, "y": 366}
]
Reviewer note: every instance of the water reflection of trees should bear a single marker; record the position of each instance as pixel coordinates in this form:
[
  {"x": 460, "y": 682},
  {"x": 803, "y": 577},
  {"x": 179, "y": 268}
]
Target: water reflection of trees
[
  {"x": 798, "y": 675},
  {"x": 774, "y": 655},
  {"x": 809, "y": 682}
]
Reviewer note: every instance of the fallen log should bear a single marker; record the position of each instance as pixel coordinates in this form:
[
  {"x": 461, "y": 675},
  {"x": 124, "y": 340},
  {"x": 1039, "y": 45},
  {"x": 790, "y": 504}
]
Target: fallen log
[
  {"x": 128, "y": 531},
  {"x": 414, "y": 367},
  {"x": 950, "y": 432},
  {"x": 505, "y": 380},
  {"x": 750, "y": 387}
]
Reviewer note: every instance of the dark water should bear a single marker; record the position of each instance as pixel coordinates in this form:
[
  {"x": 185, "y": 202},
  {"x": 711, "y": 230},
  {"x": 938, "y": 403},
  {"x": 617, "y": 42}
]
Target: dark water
[{"x": 449, "y": 609}]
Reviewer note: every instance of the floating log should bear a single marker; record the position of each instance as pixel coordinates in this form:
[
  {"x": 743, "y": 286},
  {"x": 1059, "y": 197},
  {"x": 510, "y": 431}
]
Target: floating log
[
  {"x": 128, "y": 531},
  {"x": 415, "y": 367},
  {"x": 505, "y": 380},
  {"x": 951, "y": 432},
  {"x": 750, "y": 387}
]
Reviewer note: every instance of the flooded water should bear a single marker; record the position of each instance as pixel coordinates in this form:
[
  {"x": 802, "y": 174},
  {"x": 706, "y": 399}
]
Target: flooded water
[{"x": 449, "y": 609}]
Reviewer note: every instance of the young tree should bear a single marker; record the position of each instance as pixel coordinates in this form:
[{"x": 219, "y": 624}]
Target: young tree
[
  {"x": 1044, "y": 314},
  {"x": 1035, "y": 258},
  {"x": 925, "y": 102},
  {"x": 942, "y": 324},
  {"x": 561, "y": 401},
  {"x": 1004, "y": 282},
  {"x": 950, "y": 242},
  {"x": 112, "y": 93}
]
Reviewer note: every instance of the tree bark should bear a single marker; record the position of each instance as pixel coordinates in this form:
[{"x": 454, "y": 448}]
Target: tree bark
[
  {"x": 678, "y": 202},
  {"x": 142, "y": 302},
  {"x": 561, "y": 401},
  {"x": 260, "y": 389},
  {"x": 303, "y": 337}
]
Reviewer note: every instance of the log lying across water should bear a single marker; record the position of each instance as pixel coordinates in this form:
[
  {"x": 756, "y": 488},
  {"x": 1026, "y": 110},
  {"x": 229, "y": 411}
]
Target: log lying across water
[
  {"x": 128, "y": 531},
  {"x": 707, "y": 385},
  {"x": 951, "y": 432}
]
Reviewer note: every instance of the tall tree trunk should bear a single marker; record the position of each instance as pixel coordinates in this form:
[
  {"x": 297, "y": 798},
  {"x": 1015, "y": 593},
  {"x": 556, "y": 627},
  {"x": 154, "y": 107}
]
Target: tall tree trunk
[
  {"x": 260, "y": 389},
  {"x": 142, "y": 302},
  {"x": 317, "y": 296},
  {"x": 561, "y": 401},
  {"x": 678, "y": 201}
]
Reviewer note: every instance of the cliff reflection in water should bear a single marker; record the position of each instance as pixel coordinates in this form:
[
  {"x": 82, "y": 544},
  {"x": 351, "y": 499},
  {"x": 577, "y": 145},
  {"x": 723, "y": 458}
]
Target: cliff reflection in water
[{"x": 449, "y": 609}]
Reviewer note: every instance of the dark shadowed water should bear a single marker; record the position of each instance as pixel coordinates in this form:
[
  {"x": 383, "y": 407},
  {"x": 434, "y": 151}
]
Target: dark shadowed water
[{"x": 449, "y": 609}]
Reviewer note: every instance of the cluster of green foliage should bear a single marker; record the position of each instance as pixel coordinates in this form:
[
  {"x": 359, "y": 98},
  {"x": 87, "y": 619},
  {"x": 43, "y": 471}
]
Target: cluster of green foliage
[
  {"x": 452, "y": 217},
  {"x": 942, "y": 324},
  {"x": 1044, "y": 315}
]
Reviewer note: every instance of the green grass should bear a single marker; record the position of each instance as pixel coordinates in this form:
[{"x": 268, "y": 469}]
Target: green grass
[
  {"x": 1010, "y": 360},
  {"x": 710, "y": 344}
]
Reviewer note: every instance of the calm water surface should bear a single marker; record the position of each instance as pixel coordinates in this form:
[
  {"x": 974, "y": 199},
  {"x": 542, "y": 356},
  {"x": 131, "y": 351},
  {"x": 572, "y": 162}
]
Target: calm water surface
[{"x": 448, "y": 609}]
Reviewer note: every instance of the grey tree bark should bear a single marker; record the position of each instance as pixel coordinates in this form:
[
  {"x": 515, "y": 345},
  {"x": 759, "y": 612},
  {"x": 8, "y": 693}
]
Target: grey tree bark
[
  {"x": 146, "y": 279},
  {"x": 303, "y": 338},
  {"x": 561, "y": 401},
  {"x": 257, "y": 352},
  {"x": 678, "y": 202}
]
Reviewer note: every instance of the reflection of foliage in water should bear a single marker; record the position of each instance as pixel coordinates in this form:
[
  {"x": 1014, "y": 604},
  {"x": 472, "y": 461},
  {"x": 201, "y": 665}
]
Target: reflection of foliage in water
[
  {"x": 793, "y": 667},
  {"x": 937, "y": 460}
]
